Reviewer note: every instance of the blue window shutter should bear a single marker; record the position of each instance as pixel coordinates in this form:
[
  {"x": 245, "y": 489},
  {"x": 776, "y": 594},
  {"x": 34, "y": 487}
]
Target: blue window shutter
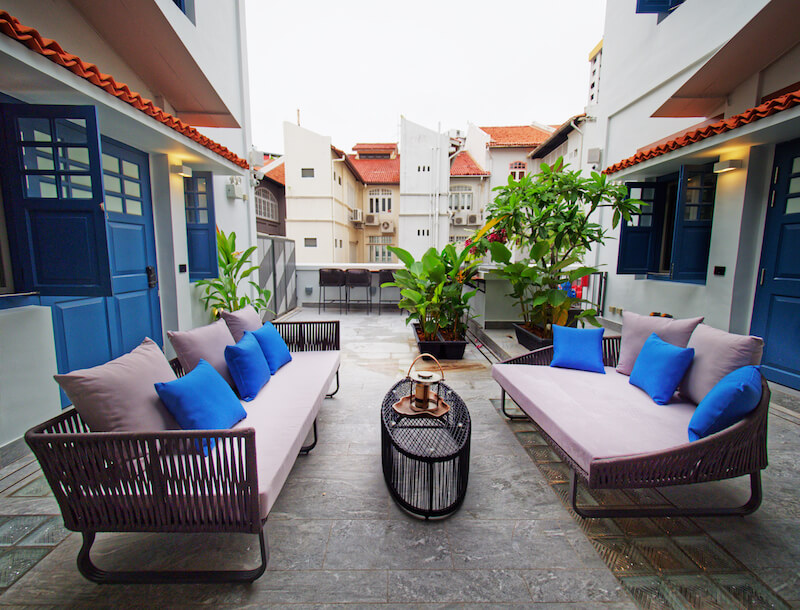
[
  {"x": 656, "y": 6},
  {"x": 201, "y": 232},
  {"x": 53, "y": 198},
  {"x": 637, "y": 238},
  {"x": 693, "y": 219}
]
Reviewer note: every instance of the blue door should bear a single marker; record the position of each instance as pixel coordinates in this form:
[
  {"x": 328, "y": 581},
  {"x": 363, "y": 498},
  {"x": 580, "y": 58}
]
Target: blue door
[
  {"x": 96, "y": 330},
  {"x": 776, "y": 311}
]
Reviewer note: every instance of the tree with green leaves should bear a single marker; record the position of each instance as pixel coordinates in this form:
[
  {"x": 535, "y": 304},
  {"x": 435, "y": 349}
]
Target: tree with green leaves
[
  {"x": 549, "y": 218},
  {"x": 222, "y": 292}
]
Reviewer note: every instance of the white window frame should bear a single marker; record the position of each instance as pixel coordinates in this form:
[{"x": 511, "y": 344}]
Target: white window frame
[
  {"x": 266, "y": 204},
  {"x": 380, "y": 201},
  {"x": 461, "y": 197},
  {"x": 517, "y": 169}
]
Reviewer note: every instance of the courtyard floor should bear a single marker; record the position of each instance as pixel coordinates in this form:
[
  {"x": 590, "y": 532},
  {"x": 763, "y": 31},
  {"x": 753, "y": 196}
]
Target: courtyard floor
[{"x": 336, "y": 537}]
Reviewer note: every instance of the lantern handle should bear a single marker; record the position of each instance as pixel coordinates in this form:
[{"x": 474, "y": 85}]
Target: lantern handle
[{"x": 441, "y": 370}]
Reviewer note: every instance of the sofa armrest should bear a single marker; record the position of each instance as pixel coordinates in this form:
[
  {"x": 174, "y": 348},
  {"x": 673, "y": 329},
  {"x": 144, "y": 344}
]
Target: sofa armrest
[
  {"x": 149, "y": 481},
  {"x": 310, "y": 336},
  {"x": 544, "y": 355}
]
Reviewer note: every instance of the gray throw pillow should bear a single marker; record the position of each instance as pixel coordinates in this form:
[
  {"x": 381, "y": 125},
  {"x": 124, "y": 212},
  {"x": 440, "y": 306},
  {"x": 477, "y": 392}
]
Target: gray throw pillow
[
  {"x": 717, "y": 353},
  {"x": 207, "y": 343},
  {"x": 241, "y": 320},
  {"x": 119, "y": 396},
  {"x": 637, "y": 328}
]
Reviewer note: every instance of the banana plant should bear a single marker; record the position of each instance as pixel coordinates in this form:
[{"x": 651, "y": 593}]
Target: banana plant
[{"x": 222, "y": 292}]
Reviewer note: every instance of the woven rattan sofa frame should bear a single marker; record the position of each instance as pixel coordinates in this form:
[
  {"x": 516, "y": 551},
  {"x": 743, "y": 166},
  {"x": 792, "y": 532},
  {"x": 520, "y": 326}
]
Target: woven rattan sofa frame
[
  {"x": 159, "y": 481},
  {"x": 736, "y": 451}
]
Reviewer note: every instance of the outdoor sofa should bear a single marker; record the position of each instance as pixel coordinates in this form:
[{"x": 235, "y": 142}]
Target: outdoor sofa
[
  {"x": 613, "y": 436},
  {"x": 160, "y": 481}
]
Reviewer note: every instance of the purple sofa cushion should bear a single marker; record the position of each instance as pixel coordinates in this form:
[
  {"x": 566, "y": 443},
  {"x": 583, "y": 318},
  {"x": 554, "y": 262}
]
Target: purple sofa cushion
[
  {"x": 636, "y": 329},
  {"x": 119, "y": 396},
  {"x": 716, "y": 354},
  {"x": 594, "y": 416},
  {"x": 241, "y": 320},
  {"x": 283, "y": 414},
  {"x": 207, "y": 343}
]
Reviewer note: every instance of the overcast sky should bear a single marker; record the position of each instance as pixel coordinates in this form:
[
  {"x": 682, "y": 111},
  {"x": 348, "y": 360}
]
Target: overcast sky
[{"x": 352, "y": 67}]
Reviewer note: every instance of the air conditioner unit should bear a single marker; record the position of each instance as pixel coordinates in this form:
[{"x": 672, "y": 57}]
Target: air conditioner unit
[
  {"x": 473, "y": 219},
  {"x": 371, "y": 220},
  {"x": 459, "y": 219},
  {"x": 356, "y": 215},
  {"x": 387, "y": 226}
]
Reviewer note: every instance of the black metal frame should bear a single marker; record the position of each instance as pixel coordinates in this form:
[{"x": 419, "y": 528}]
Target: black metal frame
[
  {"x": 410, "y": 475},
  {"x": 380, "y": 290},
  {"x": 511, "y": 416},
  {"x": 348, "y": 287},
  {"x": 90, "y": 571},
  {"x": 306, "y": 449},
  {"x": 321, "y": 302},
  {"x": 332, "y": 394}
]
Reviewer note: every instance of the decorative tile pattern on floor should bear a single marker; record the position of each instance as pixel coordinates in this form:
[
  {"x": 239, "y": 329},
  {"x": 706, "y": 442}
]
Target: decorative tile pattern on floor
[{"x": 662, "y": 562}]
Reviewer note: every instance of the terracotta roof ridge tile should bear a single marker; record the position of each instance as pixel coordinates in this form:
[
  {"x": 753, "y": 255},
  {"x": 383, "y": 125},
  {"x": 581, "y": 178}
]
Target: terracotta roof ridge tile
[
  {"x": 50, "y": 49},
  {"x": 735, "y": 121}
]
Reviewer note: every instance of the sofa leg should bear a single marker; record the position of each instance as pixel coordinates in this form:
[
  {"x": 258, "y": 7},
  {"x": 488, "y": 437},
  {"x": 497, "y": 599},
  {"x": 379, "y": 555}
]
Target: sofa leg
[
  {"x": 337, "y": 386},
  {"x": 503, "y": 407},
  {"x": 95, "y": 574},
  {"x": 307, "y": 449},
  {"x": 597, "y": 512}
]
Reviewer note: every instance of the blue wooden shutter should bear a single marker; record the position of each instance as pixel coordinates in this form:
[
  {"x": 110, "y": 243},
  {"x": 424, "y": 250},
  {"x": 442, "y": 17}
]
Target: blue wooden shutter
[
  {"x": 656, "y": 6},
  {"x": 53, "y": 198},
  {"x": 637, "y": 237},
  {"x": 693, "y": 217},
  {"x": 201, "y": 233}
]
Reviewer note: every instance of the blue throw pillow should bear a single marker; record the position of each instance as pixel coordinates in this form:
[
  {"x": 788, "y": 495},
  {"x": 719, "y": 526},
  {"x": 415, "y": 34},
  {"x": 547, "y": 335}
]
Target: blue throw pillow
[
  {"x": 201, "y": 400},
  {"x": 248, "y": 366},
  {"x": 734, "y": 396},
  {"x": 578, "y": 348},
  {"x": 659, "y": 368},
  {"x": 273, "y": 346}
]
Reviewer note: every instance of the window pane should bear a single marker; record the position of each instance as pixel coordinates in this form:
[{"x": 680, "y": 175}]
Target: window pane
[
  {"x": 648, "y": 194},
  {"x": 708, "y": 195},
  {"x": 796, "y": 165},
  {"x": 190, "y": 216},
  {"x": 134, "y": 207},
  {"x": 41, "y": 186},
  {"x": 693, "y": 195},
  {"x": 34, "y": 130},
  {"x": 697, "y": 212},
  {"x": 202, "y": 185},
  {"x": 71, "y": 130},
  {"x": 709, "y": 179},
  {"x": 202, "y": 201},
  {"x": 113, "y": 204},
  {"x": 132, "y": 170},
  {"x": 73, "y": 159},
  {"x": 39, "y": 157},
  {"x": 76, "y": 186},
  {"x": 636, "y": 193},
  {"x": 133, "y": 189},
  {"x": 110, "y": 164},
  {"x": 202, "y": 216},
  {"x": 112, "y": 184},
  {"x": 794, "y": 185},
  {"x": 307, "y": 172},
  {"x": 793, "y": 205}
]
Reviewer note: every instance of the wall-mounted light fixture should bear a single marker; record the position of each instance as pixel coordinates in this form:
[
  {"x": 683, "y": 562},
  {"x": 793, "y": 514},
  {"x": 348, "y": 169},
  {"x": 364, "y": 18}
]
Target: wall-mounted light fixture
[
  {"x": 181, "y": 170},
  {"x": 727, "y": 166}
]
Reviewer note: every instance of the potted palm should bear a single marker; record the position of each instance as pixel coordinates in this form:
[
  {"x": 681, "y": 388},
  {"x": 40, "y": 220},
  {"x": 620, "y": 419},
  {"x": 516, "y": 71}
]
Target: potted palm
[
  {"x": 548, "y": 218},
  {"x": 432, "y": 292},
  {"x": 222, "y": 292}
]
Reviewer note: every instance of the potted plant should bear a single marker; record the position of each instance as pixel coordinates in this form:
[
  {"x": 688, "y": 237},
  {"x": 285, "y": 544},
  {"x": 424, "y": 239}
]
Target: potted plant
[
  {"x": 222, "y": 292},
  {"x": 432, "y": 292},
  {"x": 548, "y": 217}
]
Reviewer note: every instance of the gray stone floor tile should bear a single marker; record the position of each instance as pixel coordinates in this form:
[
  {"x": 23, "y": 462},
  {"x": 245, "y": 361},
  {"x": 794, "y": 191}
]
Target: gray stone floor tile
[
  {"x": 486, "y": 586},
  {"x": 49, "y": 533},
  {"x": 318, "y": 586},
  {"x": 784, "y": 581},
  {"x": 297, "y": 544},
  {"x": 14, "y": 562},
  {"x": 596, "y": 585},
  {"x": 516, "y": 545},
  {"x": 16, "y": 528},
  {"x": 394, "y": 544}
]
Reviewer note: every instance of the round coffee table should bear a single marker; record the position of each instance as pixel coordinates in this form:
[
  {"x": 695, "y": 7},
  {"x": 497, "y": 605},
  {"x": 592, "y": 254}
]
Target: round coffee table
[{"x": 426, "y": 459}]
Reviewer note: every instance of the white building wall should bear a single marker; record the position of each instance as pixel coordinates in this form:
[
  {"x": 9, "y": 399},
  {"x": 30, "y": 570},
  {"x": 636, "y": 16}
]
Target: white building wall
[{"x": 424, "y": 180}]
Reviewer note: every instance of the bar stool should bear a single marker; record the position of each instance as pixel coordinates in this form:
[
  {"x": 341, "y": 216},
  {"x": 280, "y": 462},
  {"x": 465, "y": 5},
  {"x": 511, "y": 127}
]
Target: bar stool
[
  {"x": 358, "y": 278},
  {"x": 330, "y": 278},
  {"x": 384, "y": 275}
]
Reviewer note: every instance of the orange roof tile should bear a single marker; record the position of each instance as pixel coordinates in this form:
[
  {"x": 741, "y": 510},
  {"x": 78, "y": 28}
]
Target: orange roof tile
[
  {"x": 464, "y": 165},
  {"x": 516, "y": 136},
  {"x": 278, "y": 174},
  {"x": 751, "y": 115},
  {"x": 375, "y": 146},
  {"x": 376, "y": 171},
  {"x": 50, "y": 49}
]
